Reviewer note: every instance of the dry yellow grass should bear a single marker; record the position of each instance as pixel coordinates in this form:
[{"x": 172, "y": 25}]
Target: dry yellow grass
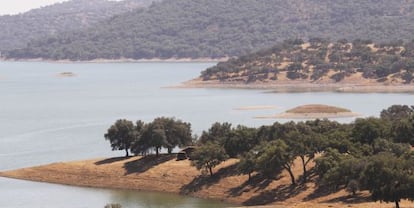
[{"x": 165, "y": 174}]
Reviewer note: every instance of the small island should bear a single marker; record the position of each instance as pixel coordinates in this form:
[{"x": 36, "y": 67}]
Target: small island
[
  {"x": 314, "y": 111},
  {"x": 66, "y": 74}
]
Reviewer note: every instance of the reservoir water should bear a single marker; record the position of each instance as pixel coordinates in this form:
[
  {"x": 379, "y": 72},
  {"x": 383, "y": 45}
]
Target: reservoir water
[{"x": 47, "y": 118}]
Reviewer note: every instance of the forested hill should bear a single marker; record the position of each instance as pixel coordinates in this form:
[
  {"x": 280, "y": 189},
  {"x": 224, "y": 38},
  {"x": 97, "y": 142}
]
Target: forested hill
[
  {"x": 320, "y": 61},
  {"x": 18, "y": 30},
  {"x": 217, "y": 28}
]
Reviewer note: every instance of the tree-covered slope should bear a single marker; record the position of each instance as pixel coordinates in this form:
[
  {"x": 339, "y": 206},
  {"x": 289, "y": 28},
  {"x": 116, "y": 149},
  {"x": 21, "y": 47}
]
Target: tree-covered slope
[
  {"x": 18, "y": 30},
  {"x": 216, "y": 28},
  {"x": 320, "y": 61}
]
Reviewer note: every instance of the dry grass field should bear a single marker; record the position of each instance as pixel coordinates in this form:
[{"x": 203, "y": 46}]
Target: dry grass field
[{"x": 165, "y": 174}]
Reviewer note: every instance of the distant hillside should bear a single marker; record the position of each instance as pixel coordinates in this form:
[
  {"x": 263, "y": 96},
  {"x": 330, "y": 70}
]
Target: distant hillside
[
  {"x": 320, "y": 61},
  {"x": 217, "y": 28},
  {"x": 18, "y": 30}
]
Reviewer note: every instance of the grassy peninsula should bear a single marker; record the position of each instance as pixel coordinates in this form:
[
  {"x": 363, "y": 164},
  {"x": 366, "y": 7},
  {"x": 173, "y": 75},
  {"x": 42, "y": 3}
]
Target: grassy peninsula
[
  {"x": 318, "y": 65},
  {"x": 168, "y": 175},
  {"x": 317, "y": 163}
]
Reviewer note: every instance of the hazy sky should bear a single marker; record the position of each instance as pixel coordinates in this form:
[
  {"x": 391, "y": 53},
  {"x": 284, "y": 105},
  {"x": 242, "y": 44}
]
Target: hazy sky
[{"x": 18, "y": 6}]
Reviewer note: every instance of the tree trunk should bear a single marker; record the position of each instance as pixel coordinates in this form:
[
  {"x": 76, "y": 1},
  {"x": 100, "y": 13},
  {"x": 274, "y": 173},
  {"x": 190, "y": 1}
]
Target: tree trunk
[
  {"x": 156, "y": 151},
  {"x": 250, "y": 176},
  {"x": 305, "y": 174},
  {"x": 397, "y": 203},
  {"x": 126, "y": 153},
  {"x": 169, "y": 150},
  {"x": 211, "y": 171},
  {"x": 292, "y": 177}
]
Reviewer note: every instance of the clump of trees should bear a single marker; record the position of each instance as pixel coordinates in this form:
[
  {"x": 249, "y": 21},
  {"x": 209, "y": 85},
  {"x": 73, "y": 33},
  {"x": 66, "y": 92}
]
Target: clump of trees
[
  {"x": 141, "y": 138},
  {"x": 113, "y": 206},
  {"x": 369, "y": 154},
  {"x": 390, "y": 62}
]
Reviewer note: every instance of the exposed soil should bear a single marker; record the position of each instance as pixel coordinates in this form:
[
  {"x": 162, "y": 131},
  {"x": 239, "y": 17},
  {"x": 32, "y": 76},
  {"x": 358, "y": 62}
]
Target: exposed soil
[{"x": 165, "y": 174}]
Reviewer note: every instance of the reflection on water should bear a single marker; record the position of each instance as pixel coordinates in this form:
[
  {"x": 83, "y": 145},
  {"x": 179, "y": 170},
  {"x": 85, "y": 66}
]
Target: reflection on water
[
  {"x": 150, "y": 199},
  {"x": 20, "y": 194}
]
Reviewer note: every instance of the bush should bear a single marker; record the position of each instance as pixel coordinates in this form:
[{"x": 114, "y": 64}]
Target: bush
[
  {"x": 352, "y": 187},
  {"x": 338, "y": 76},
  {"x": 113, "y": 206}
]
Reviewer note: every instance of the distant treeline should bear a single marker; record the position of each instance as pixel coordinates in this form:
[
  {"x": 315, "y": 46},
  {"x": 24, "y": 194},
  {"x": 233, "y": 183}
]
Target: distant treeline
[
  {"x": 373, "y": 154},
  {"x": 216, "y": 28},
  {"x": 391, "y": 62},
  {"x": 18, "y": 30}
]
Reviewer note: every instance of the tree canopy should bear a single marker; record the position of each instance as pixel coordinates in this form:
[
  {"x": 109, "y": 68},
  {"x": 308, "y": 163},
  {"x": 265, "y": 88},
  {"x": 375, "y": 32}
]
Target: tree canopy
[
  {"x": 208, "y": 156},
  {"x": 121, "y": 135},
  {"x": 142, "y": 137}
]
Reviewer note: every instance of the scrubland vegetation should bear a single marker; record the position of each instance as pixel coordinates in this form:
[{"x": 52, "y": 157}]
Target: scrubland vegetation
[{"x": 321, "y": 61}]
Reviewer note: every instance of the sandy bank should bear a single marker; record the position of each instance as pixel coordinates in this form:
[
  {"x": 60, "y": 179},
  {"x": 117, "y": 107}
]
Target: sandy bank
[
  {"x": 298, "y": 86},
  {"x": 165, "y": 174}
]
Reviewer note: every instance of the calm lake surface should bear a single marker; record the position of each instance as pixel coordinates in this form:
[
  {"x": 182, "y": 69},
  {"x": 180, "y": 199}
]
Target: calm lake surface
[{"x": 46, "y": 118}]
